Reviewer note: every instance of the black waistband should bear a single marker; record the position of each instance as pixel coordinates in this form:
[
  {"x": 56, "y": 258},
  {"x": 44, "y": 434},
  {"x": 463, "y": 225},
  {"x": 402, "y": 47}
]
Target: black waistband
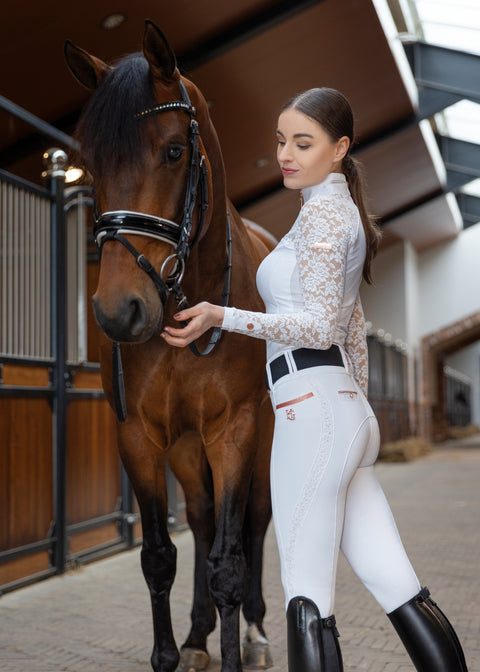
[{"x": 305, "y": 358}]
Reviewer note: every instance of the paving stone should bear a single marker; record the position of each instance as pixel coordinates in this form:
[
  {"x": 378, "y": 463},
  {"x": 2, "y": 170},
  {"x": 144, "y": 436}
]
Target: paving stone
[{"x": 98, "y": 619}]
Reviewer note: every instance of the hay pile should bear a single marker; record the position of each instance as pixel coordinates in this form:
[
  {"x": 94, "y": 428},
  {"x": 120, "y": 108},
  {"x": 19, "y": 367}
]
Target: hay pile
[
  {"x": 405, "y": 450},
  {"x": 458, "y": 432}
]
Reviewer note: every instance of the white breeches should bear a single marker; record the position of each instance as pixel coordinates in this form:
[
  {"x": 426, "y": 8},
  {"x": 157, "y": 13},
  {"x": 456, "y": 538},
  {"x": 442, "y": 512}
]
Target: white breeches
[{"x": 325, "y": 494}]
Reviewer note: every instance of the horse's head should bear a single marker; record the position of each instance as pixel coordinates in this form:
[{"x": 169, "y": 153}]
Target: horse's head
[{"x": 140, "y": 142}]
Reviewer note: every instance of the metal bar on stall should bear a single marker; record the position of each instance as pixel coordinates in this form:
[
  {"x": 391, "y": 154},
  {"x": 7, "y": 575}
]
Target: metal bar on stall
[
  {"x": 56, "y": 165},
  {"x": 42, "y": 126}
]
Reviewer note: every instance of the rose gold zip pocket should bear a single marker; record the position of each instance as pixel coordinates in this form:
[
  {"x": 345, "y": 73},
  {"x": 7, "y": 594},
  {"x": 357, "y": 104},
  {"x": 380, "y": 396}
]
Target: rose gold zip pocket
[
  {"x": 297, "y": 400},
  {"x": 287, "y": 405}
]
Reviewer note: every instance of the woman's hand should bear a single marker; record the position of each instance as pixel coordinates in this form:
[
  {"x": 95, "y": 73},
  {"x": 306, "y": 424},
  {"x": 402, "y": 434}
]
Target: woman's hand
[{"x": 202, "y": 317}]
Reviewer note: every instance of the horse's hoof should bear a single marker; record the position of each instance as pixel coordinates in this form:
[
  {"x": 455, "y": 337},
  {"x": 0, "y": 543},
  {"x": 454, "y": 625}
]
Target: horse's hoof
[
  {"x": 193, "y": 660},
  {"x": 256, "y": 656},
  {"x": 256, "y": 651}
]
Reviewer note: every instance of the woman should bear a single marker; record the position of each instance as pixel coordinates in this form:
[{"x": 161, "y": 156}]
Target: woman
[{"x": 325, "y": 494}]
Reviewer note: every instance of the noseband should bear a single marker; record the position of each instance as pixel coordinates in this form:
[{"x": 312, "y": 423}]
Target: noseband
[{"x": 114, "y": 225}]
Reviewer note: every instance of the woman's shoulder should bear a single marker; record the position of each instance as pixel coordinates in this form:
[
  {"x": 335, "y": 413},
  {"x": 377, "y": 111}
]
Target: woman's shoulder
[{"x": 329, "y": 210}]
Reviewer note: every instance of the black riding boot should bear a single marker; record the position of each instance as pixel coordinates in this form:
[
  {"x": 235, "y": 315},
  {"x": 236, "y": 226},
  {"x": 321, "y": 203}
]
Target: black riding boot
[
  {"x": 428, "y": 635},
  {"x": 312, "y": 640}
]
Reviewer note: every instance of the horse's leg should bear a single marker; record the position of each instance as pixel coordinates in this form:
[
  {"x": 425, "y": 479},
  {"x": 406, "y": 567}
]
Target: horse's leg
[
  {"x": 256, "y": 651},
  {"x": 190, "y": 466},
  {"x": 146, "y": 469},
  {"x": 231, "y": 457}
]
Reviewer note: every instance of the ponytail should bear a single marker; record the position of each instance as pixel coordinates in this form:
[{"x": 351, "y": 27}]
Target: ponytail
[{"x": 353, "y": 171}]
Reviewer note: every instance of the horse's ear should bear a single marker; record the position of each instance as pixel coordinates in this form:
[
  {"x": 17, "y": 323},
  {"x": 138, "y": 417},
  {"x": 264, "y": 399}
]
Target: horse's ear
[
  {"x": 88, "y": 69},
  {"x": 158, "y": 52}
]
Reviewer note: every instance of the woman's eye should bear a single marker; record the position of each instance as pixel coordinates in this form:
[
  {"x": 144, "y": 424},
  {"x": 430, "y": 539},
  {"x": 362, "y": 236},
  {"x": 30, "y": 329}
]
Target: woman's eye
[
  {"x": 303, "y": 146},
  {"x": 175, "y": 152}
]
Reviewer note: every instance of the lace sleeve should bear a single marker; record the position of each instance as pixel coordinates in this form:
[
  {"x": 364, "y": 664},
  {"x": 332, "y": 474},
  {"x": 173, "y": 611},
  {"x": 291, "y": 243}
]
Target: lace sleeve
[
  {"x": 321, "y": 236},
  {"x": 356, "y": 346}
]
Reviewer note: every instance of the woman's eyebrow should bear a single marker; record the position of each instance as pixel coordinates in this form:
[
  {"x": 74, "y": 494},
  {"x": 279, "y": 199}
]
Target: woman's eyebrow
[{"x": 297, "y": 135}]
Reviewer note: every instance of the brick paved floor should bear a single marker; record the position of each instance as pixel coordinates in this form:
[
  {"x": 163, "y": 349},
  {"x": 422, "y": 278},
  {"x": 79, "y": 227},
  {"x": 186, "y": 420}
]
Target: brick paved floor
[{"x": 97, "y": 618}]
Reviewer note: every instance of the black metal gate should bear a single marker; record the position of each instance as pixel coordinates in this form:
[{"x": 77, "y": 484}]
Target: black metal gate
[{"x": 38, "y": 383}]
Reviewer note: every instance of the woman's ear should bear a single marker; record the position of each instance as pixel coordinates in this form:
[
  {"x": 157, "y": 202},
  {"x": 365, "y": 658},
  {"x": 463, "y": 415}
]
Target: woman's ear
[{"x": 343, "y": 146}]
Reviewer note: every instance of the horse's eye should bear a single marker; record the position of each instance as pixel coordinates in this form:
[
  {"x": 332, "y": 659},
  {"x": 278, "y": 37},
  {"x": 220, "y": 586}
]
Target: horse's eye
[{"x": 175, "y": 152}]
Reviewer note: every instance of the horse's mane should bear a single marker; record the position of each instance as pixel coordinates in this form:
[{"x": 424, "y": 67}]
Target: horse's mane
[{"x": 108, "y": 131}]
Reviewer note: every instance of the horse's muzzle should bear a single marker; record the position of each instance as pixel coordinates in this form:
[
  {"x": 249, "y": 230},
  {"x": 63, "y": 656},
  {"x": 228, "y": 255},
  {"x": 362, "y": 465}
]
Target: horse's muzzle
[{"x": 129, "y": 321}]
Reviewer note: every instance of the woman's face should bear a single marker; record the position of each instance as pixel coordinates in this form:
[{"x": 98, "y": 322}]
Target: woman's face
[{"x": 306, "y": 153}]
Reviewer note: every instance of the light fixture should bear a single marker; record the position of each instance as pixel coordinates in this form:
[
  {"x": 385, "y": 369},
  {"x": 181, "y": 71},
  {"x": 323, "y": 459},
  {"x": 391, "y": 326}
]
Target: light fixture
[
  {"x": 73, "y": 174},
  {"x": 113, "y": 20}
]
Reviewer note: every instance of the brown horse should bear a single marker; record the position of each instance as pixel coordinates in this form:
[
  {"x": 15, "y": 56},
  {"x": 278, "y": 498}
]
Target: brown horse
[{"x": 150, "y": 146}]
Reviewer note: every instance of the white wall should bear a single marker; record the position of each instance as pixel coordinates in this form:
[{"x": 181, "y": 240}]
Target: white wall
[
  {"x": 449, "y": 281},
  {"x": 416, "y": 294},
  {"x": 384, "y": 304}
]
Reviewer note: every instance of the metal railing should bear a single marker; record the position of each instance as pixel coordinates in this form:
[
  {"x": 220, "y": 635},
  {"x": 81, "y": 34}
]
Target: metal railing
[
  {"x": 25, "y": 270},
  {"x": 77, "y": 209}
]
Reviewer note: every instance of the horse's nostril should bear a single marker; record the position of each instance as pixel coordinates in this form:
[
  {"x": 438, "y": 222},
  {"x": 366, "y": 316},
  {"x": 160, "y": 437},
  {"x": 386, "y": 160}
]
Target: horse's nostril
[{"x": 138, "y": 316}]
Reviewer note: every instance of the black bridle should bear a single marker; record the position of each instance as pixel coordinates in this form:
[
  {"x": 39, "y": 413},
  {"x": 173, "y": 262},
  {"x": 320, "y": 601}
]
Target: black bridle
[{"x": 114, "y": 225}]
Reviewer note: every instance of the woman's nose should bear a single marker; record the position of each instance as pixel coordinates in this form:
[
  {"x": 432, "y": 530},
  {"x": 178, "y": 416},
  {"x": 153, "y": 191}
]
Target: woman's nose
[{"x": 284, "y": 153}]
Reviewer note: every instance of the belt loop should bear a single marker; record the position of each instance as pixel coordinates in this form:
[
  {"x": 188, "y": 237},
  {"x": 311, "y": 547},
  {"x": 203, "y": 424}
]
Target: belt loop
[
  {"x": 291, "y": 363},
  {"x": 345, "y": 359},
  {"x": 268, "y": 377}
]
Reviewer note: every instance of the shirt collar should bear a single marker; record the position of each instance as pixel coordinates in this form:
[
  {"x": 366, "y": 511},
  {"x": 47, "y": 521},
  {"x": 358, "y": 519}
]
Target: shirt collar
[{"x": 334, "y": 183}]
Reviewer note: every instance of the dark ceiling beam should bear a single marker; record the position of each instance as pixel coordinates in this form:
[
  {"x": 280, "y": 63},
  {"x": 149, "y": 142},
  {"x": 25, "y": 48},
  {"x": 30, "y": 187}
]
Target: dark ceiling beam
[
  {"x": 241, "y": 32},
  {"x": 470, "y": 209},
  {"x": 443, "y": 76},
  {"x": 456, "y": 179},
  {"x": 462, "y": 160},
  {"x": 432, "y": 101}
]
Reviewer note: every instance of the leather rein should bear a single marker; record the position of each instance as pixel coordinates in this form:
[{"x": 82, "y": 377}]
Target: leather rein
[{"x": 114, "y": 225}]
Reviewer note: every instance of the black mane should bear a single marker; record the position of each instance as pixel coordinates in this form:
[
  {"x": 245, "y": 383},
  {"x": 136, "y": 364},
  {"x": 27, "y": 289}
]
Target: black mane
[{"x": 108, "y": 131}]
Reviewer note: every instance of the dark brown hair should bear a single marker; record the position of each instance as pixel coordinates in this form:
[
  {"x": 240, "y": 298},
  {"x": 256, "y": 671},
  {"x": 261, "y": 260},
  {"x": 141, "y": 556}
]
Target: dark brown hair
[{"x": 332, "y": 111}]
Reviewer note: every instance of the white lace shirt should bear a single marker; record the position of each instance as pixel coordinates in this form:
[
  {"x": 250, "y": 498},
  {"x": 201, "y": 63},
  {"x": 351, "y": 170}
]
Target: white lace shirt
[{"x": 310, "y": 281}]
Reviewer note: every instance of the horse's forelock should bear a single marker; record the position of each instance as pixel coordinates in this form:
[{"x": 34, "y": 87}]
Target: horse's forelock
[{"x": 108, "y": 131}]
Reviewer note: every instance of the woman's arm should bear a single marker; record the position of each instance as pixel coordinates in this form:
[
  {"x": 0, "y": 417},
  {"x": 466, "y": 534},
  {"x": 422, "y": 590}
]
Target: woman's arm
[{"x": 322, "y": 234}]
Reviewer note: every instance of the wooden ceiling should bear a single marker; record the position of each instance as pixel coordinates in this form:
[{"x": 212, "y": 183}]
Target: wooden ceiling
[{"x": 248, "y": 57}]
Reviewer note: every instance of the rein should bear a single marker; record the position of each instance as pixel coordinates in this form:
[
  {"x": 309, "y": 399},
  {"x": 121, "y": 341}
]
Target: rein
[{"x": 114, "y": 225}]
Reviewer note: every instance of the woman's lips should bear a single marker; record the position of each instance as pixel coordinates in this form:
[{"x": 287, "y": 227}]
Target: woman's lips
[{"x": 288, "y": 171}]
